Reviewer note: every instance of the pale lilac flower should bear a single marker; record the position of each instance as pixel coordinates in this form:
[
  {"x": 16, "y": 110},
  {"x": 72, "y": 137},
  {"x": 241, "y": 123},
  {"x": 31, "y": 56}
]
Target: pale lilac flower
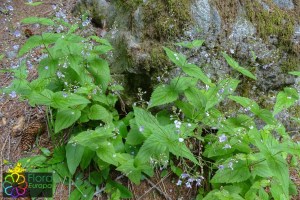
[
  {"x": 10, "y": 8},
  {"x": 184, "y": 175},
  {"x": 221, "y": 167},
  {"x": 13, "y": 94},
  {"x": 46, "y": 67},
  {"x": 16, "y": 47},
  {"x": 86, "y": 22},
  {"x": 191, "y": 180},
  {"x": 180, "y": 139},
  {"x": 188, "y": 185},
  {"x": 179, "y": 182},
  {"x": 17, "y": 33},
  {"x": 199, "y": 180},
  {"x": 29, "y": 1},
  {"x": 29, "y": 64},
  {"x": 222, "y": 138}
]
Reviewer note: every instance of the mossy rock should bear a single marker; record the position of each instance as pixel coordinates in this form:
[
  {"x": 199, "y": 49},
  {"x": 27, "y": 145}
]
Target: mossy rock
[{"x": 166, "y": 19}]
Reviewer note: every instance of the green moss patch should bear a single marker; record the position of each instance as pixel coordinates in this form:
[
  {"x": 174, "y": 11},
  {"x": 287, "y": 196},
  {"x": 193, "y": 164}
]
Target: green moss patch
[
  {"x": 166, "y": 19},
  {"x": 272, "y": 21}
]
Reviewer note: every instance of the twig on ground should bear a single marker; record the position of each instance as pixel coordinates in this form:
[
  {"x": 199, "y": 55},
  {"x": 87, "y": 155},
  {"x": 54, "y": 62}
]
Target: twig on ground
[
  {"x": 155, "y": 186},
  {"x": 158, "y": 189}
]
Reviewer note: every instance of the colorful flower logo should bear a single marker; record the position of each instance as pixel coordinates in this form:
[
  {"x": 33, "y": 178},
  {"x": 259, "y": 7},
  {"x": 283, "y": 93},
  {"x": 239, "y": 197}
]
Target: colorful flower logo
[{"x": 15, "y": 185}]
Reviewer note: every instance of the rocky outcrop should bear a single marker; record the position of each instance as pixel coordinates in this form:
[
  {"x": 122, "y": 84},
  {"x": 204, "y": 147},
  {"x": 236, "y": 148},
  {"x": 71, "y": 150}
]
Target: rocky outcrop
[{"x": 262, "y": 35}]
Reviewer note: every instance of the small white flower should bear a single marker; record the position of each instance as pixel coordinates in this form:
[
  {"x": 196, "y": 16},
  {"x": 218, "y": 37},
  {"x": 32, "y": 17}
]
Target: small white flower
[
  {"x": 180, "y": 139},
  {"x": 46, "y": 67},
  {"x": 177, "y": 123},
  {"x": 227, "y": 146},
  {"x": 222, "y": 138},
  {"x": 141, "y": 129},
  {"x": 230, "y": 165},
  {"x": 59, "y": 74},
  {"x": 189, "y": 124}
]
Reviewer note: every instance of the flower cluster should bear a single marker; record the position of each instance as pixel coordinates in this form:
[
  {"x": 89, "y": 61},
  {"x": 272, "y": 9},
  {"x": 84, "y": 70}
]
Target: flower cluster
[{"x": 188, "y": 179}]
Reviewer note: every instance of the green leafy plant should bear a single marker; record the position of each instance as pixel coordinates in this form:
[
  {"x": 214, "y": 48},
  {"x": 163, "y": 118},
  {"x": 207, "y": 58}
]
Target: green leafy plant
[{"x": 74, "y": 83}]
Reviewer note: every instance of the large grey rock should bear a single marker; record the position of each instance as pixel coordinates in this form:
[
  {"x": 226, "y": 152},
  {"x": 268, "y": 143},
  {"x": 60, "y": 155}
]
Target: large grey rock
[
  {"x": 206, "y": 17},
  {"x": 286, "y": 4},
  {"x": 134, "y": 54},
  {"x": 241, "y": 29}
]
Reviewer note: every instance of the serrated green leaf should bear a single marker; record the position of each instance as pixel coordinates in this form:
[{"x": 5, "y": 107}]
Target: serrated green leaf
[
  {"x": 63, "y": 100},
  {"x": 177, "y": 58},
  {"x": 39, "y": 40},
  {"x": 146, "y": 120},
  {"x": 237, "y": 67},
  {"x": 247, "y": 103},
  {"x": 106, "y": 152},
  {"x": 65, "y": 118},
  {"x": 280, "y": 170},
  {"x": 98, "y": 112},
  {"x": 285, "y": 99},
  {"x": 92, "y": 138},
  {"x": 163, "y": 94},
  {"x": 74, "y": 154},
  {"x": 99, "y": 69},
  {"x": 266, "y": 116},
  {"x": 182, "y": 83},
  {"x": 38, "y": 20},
  {"x": 217, "y": 93},
  {"x": 238, "y": 173},
  {"x": 134, "y": 169},
  {"x": 195, "y": 71},
  {"x": 135, "y": 137}
]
